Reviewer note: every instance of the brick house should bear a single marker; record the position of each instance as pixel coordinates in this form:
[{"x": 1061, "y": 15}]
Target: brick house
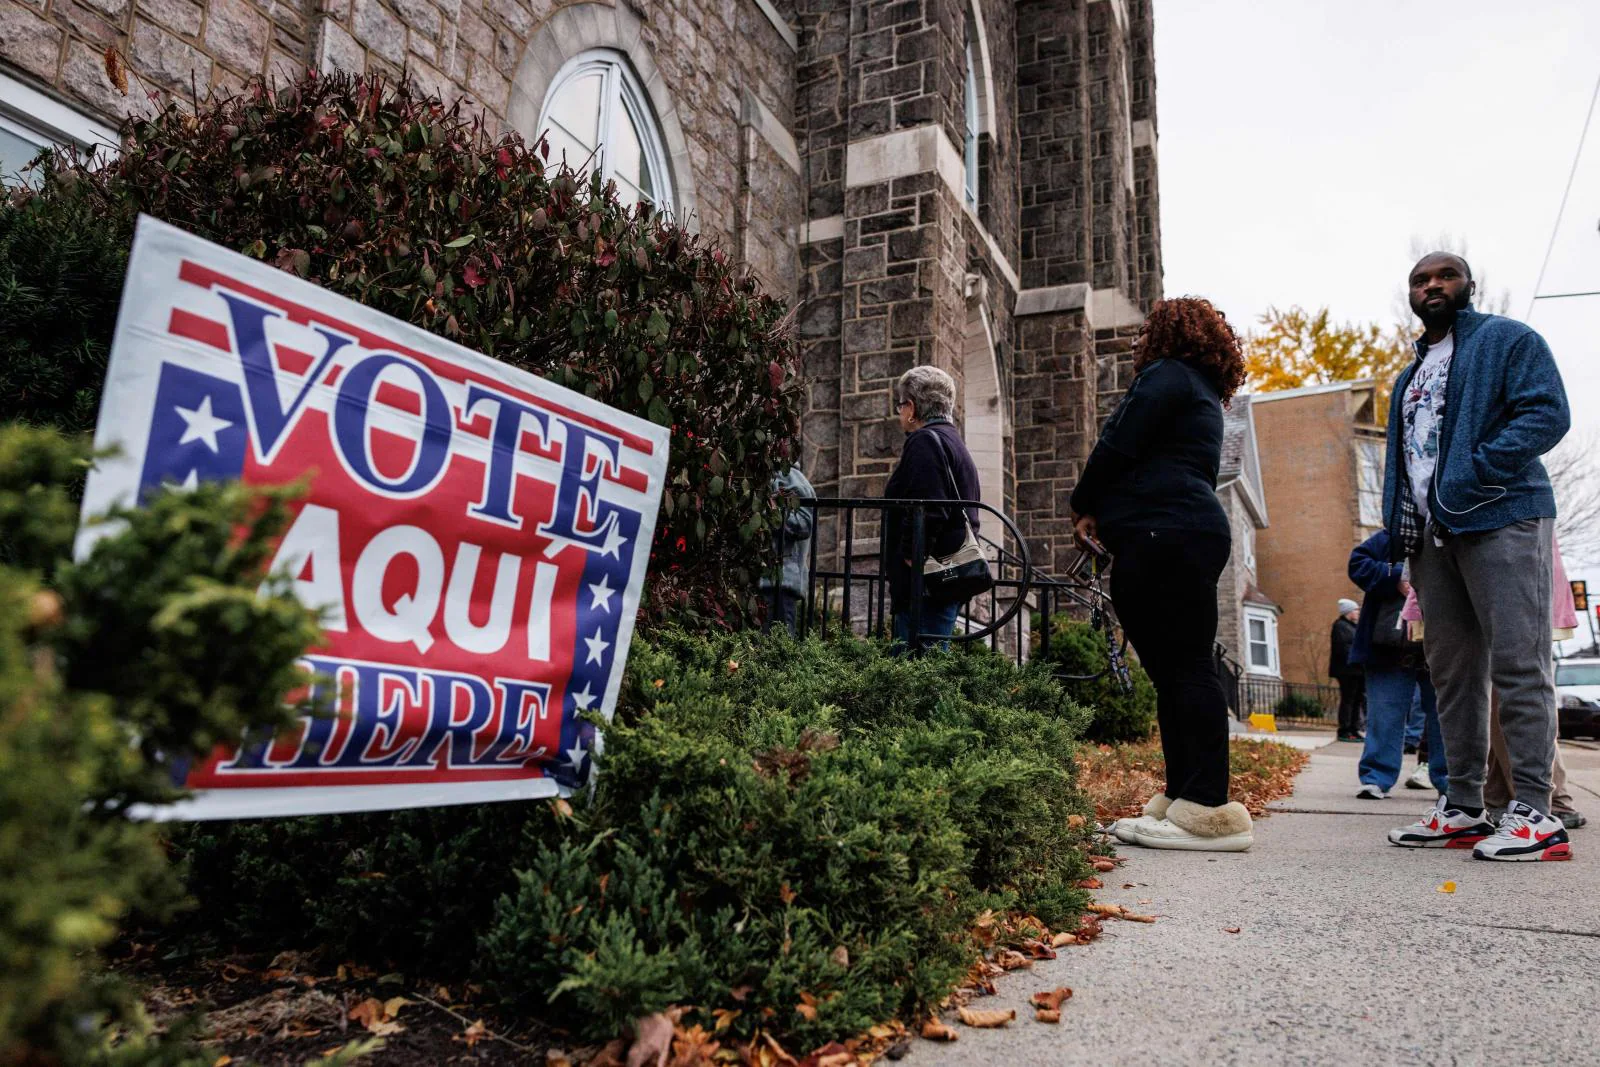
[
  {"x": 967, "y": 183},
  {"x": 1247, "y": 618},
  {"x": 1322, "y": 455}
]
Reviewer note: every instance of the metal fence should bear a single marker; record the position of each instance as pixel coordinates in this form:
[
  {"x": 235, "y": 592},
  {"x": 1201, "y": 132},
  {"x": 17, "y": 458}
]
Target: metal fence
[
  {"x": 848, "y": 584},
  {"x": 1291, "y": 703}
]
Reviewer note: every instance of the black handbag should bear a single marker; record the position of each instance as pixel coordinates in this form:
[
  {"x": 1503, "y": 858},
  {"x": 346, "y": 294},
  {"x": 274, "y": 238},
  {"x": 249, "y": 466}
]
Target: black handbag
[
  {"x": 1389, "y": 631},
  {"x": 964, "y": 573}
]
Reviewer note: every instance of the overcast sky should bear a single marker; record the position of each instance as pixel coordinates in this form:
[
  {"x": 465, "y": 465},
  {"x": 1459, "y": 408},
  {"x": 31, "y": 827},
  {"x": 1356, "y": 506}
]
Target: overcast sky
[{"x": 1305, "y": 145}]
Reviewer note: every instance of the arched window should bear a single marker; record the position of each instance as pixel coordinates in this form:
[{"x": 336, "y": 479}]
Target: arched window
[
  {"x": 597, "y": 117},
  {"x": 970, "y": 149}
]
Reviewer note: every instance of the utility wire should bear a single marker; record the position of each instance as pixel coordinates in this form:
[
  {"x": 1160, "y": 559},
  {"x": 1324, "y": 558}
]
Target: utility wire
[{"x": 1573, "y": 173}]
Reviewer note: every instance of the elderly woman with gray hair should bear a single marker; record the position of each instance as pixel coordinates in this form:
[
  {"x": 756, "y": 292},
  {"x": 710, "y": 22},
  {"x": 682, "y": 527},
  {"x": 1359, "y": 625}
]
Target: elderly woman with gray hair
[{"x": 934, "y": 465}]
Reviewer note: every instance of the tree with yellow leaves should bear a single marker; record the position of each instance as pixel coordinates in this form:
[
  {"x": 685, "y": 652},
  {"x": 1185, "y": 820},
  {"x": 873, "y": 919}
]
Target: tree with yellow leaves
[{"x": 1297, "y": 347}]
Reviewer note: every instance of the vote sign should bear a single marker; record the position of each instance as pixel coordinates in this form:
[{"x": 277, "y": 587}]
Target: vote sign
[{"x": 476, "y": 537}]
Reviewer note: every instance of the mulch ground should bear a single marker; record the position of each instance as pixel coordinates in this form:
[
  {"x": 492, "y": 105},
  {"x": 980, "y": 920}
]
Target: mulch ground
[
  {"x": 289, "y": 1008},
  {"x": 1119, "y": 779}
]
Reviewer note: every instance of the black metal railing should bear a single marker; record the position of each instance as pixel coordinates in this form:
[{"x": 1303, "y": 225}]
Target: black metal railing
[
  {"x": 1291, "y": 703},
  {"x": 848, "y": 583}
]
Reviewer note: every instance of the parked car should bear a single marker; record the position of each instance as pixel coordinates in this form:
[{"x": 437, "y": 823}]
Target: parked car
[{"x": 1578, "y": 694}]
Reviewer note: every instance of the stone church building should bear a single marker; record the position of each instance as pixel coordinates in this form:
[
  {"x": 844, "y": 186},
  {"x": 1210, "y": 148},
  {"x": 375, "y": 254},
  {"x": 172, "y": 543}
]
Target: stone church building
[{"x": 966, "y": 183}]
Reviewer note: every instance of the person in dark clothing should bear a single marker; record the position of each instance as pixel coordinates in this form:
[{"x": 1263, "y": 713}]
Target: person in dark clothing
[
  {"x": 934, "y": 465},
  {"x": 1351, "y": 680},
  {"x": 1396, "y": 671},
  {"x": 1148, "y": 493}
]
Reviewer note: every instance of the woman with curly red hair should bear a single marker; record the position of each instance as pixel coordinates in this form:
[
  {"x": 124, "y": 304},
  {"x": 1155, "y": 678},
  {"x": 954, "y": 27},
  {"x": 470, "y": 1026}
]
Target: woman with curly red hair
[{"x": 1149, "y": 493}]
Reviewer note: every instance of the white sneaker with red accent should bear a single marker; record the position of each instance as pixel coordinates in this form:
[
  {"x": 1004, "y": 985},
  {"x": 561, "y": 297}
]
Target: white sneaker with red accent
[
  {"x": 1442, "y": 828},
  {"x": 1525, "y": 833}
]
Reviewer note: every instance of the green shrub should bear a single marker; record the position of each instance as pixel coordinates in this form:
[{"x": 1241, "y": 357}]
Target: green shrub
[
  {"x": 1299, "y": 706},
  {"x": 167, "y": 638},
  {"x": 383, "y": 195},
  {"x": 1118, "y": 715},
  {"x": 765, "y": 805},
  {"x": 779, "y": 821}
]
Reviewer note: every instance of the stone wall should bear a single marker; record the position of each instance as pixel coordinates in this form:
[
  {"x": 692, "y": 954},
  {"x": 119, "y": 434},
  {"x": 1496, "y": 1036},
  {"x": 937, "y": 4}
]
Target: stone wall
[{"x": 719, "y": 73}]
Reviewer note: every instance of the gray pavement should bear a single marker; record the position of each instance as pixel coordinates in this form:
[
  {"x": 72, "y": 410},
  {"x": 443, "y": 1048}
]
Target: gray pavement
[{"x": 1347, "y": 951}]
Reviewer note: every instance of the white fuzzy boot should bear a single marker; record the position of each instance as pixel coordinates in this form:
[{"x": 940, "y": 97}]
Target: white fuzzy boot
[
  {"x": 1197, "y": 828},
  {"x": 1155, "y": 809}
]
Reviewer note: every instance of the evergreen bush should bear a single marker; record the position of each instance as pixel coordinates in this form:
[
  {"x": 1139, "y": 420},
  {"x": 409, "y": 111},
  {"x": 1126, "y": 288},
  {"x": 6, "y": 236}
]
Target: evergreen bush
[
  {"x": 384, "y": 195},
  {"x": 168, "y": 638},
  {"x": 799, "y": 832},
  {"x": 1117, "y": 715}
]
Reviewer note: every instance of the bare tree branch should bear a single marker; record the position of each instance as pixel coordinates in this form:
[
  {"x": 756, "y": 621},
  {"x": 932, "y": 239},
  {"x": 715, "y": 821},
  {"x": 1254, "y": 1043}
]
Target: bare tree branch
[{"x": 1574, "y": 468}]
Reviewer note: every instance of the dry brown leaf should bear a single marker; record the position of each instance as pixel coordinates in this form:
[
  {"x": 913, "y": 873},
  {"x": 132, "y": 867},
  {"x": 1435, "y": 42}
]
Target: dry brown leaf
[
  {"x": 986, "y": 1020},
  {"x": 653, "y": 1041},
  {"x": 724, "y": 1017},
  {"x": 392, "y": 1006},
  {"x": 1129, "y": 916},
  {"x": 1091, "y": 883},
  {"x": 116, "y": 71},
  {"x": 1103, "y": 865},
  {"x": 740, "y": 992},
  {"x": 220, "y": 1061},
  {"x": 786, "y": 894},
  {"x": 1011, "y": 960},
  {"x": 1051, "y": 1000},
  {"x": 1231, "y": 929},
  {"x": 806, "y": 1012},
  {"x": 563, "y": 809},
  {"x": 368, "y": 1013},
  {"x": 1063, "y": 939},
  {"x": 1047, "y": 1015},
  {"x": 841, "y": 957},
  {"x": 556, "y": 1058},
  {"x": 1075, "y": 822},
  {"x": 935, "y": 1030},
  {"x": 1112, "y": 911}
]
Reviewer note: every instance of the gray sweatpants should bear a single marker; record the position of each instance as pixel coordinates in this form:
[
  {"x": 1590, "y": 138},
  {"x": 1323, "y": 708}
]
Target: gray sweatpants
[{"x": 1486, "y": 603}]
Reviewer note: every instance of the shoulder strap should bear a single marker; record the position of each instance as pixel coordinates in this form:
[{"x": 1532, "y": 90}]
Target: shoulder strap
[{"x": 949, "y": 472}]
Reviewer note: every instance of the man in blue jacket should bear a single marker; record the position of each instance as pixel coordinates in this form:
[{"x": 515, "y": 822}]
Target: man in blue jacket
[{"x": 1469, "y": 507}]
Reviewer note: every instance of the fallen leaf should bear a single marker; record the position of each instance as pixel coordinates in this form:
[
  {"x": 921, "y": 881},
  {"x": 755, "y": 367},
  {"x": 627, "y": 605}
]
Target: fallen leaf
[
  {"x": 1129, "y": 916},
  {"x": 841, "y": 957},
  {"x": 1448, "y": 887},
  {"x": 786, "y": 894},
  {"x": 1231, "y": 929},
  {"x": 1103, "y": 865},
  {"x": 1047, "y": 1015},
  {"x": 1113, "y": 911},
  {"x": 806, "y": 1012},
  {"x": 653, "y": 1042},
  {"x": 1051, "y": 1000},
  {"x": 936, "y": 1030},
  {"x": 1091, "y": 883},
  {"x": 1062, "y": 939},
  {"x": 724, "y": 1017},
  {"x": 220, "y": 1061},
  {"x": 392, "y": 1006},
  {"x": 740, "y": 992},
  {"x": 368, "y": 1012},
  {"x": 1146, "y": 902},
  {"x": 563, "y": 809},
  {"x": 1012, "y": 960},
  {"x": 556, "y": 1057},
  {"x": 986, "y": 1020},
  {"x": 1075, "y": 822}
]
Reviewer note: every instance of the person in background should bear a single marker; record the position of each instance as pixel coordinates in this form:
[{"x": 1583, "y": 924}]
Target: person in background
[
  {"x": 1149, "y": 491},
  {"x": 1350, "y": 678},
  {"x": 792, "y": 541},
  {"x": 934, "y": 465},
  {"x": 1396, "y": 672},
  {"x": 1421, "y": 777},
  {"x": 1470, "y": 508}
]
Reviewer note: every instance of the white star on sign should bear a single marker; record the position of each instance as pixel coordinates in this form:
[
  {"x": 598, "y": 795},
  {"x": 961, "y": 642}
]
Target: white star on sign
[
  {"x": 597, "y": 646},
  {"x": 200, "y": 424},
  {"x": 575, "y": 757},
  {"x": 583, "y": 698},
  {"x": 614, "y": 543},
  {"x": 601, "y": 592}
]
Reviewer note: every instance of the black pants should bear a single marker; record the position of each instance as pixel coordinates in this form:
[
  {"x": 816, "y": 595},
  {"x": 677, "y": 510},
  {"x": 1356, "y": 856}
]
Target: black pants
[
  {"x": 1164, "y": 587},
  {"x": 1351, "y": 691}
]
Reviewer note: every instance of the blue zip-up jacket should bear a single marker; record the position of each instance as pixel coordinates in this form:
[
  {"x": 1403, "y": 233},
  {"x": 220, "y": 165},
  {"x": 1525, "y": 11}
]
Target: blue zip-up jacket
[
  {"x": 1504, "y": 407},
  {"x": 1370, "y": 569}
]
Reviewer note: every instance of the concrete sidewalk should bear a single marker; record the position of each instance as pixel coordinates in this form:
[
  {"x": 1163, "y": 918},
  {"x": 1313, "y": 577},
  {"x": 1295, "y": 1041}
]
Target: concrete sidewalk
[{"x": 1348, "y": 952}]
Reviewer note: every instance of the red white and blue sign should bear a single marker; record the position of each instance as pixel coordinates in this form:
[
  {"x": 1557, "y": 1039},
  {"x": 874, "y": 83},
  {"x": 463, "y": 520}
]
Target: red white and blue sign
[{"x": 475, "y": 537}]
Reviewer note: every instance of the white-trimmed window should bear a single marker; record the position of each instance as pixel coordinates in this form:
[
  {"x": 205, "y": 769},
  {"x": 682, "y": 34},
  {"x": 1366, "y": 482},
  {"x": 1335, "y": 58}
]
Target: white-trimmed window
[
  {"x": 1261, "y": 641},
  {"x": 970, "y": 148},
  {"x": 31, "y": 121},
  {"x": 597, "y": 118},
  {"x": 1369, "y": 482}
]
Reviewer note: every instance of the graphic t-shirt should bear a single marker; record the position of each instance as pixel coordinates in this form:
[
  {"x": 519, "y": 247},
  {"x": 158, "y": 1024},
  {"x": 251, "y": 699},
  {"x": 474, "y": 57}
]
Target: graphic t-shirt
[{"x": 1422, "y": 409}]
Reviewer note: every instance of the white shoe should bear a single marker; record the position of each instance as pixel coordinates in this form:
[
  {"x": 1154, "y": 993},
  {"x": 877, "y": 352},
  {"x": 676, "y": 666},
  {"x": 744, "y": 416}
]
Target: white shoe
[
  {"x": 1196, "y": 828},
  {"x": 1420, "y": 778},
  {"x": 1372, "y": 792},
  {"x": 1155, "y": 809}
]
